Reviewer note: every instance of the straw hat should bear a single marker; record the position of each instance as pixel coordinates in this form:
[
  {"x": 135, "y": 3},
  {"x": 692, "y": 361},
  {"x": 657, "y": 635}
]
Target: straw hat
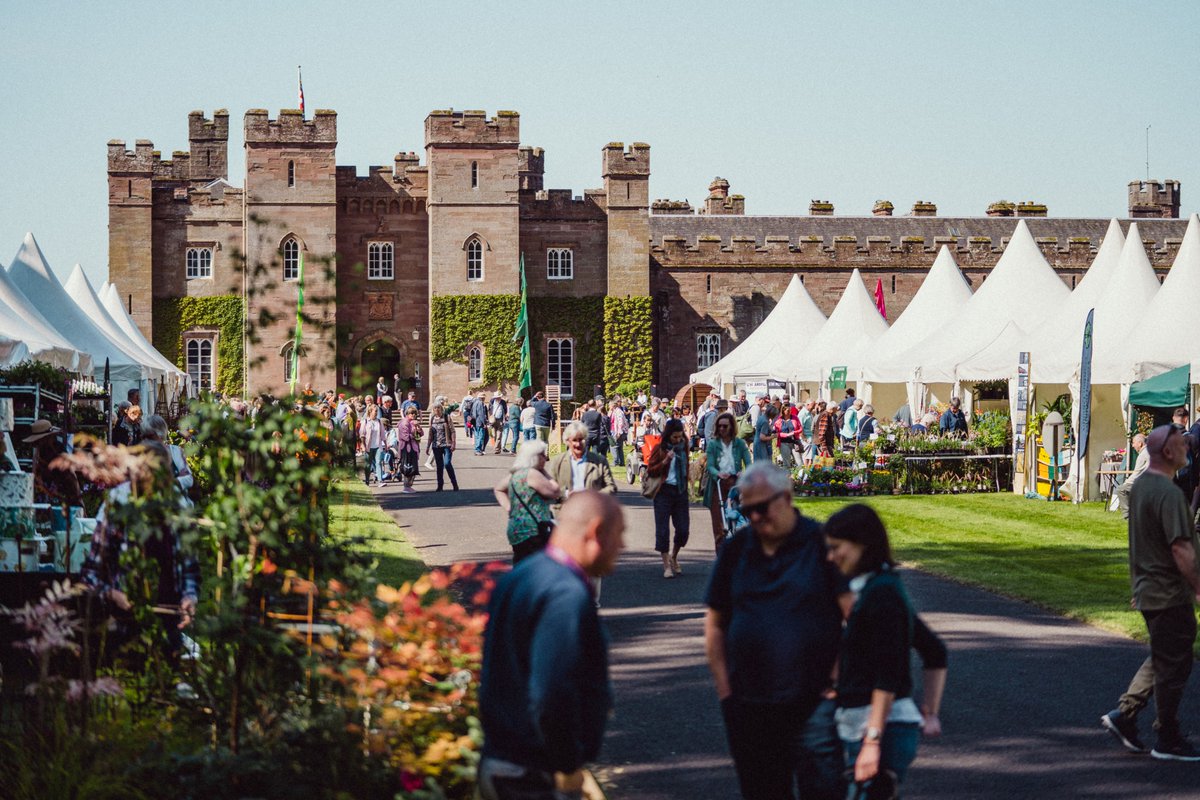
[{"x": 40, "y": 430}]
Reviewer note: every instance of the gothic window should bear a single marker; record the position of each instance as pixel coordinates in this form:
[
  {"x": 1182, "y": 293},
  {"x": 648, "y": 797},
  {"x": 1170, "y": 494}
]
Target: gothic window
[
  {"x": 474, "y": 365},
  {"x": 200, "y": 364},
  {"x": 199, "y": 262},
  {"x": 291, "y": 259},
  {"x": 560, "y": 264},
  {"x": 474, "y": 260},
  {"x": 708, "y": 349},
  {"x": 560, "y": 365},
  {"x": 474, "y": 174},
  {"x": 287, "y": 353},
  {"x": 380, "y": 261},
  {"x": 291, "y": 174}
]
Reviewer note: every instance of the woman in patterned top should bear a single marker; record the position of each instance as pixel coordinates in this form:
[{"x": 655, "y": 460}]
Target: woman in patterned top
[{"x": 526, "y": 494}]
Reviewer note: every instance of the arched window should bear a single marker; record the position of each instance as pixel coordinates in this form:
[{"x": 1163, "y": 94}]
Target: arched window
[
  {"x": 560, "y": 264},
  {"x": 560, "y": 365},
  {"x": 474, "y": 260},
  {"x": 199, "y": 262},
  {"x": 200, "y": 364},
  {"x": 291, "y": 259},
  {"x": 288, "y": 353},
  {"x": 291, "y": 174},
  {"x": 474, "y": 174},
  {"x": 380, "y": 261},
  {"x": 474, "y": 365},
  {"x": 708, "y": 349}
]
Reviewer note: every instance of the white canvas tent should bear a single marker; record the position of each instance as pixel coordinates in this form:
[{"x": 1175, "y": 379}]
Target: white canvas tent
[
  {"x": 30, "y": 272},
  {"x": 769, "y": 350},
  {"x": 845, "y": 339},
  {"x": 111, "y": 300},
  {"x": 1019, "y": 295},
  {"x": 943, "y": 293},
  {"x": 1167, "y": 334},
  {"x": 20, "y": 320}
]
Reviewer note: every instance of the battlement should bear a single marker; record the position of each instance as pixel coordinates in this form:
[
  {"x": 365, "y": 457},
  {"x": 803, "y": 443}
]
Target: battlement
[
  {"x": 450, "y": 127},
  {"x": 291, "y": 127},
  {"x": 531, "y": 168},
  {"x": 620, "y": 162},
  {"x": 202, "y": 129},
  {"x": 1149, "y": 199},
  {"x": 664, "y": 206},
  {"x": 142, "y": 159}
]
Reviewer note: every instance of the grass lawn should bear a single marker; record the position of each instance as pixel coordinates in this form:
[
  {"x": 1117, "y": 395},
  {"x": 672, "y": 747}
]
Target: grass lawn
[
  {"x": 353, "y": 511},
  {"x": 1070, "y": 559}
]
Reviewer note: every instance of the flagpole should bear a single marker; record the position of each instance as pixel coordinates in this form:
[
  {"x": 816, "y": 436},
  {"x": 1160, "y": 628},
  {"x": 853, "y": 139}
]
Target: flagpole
[
  {"x": 299, "y": 336},
  {"x": 300, "y": 83}
]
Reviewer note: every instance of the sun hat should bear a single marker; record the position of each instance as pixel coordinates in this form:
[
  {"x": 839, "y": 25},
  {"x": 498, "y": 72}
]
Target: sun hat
[{"x": 40, "y": 430}]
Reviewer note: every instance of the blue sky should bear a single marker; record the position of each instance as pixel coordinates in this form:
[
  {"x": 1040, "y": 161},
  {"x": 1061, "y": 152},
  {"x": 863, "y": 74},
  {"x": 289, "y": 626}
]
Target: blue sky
[{"x": 958, "y": 103}]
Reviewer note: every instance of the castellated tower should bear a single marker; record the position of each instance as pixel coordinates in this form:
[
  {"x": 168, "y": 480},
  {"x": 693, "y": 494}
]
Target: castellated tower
[
  {"x": 208, "y": 146},
  {"x": 626, "y": 176},
  {"x": 474, "y": 213},
  {"x": 130, "y": 227},
  {"x": 291, "y": 219}
]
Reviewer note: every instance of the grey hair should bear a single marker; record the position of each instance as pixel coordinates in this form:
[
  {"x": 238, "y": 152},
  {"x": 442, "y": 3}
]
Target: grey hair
[
  {"x": 575, "y": 430},
  {"x": 527, "y": 454},
  {"x": 764, "y": 473},
  {"x": 156, "y": 426},
  {"x": 868, "y": 409}
]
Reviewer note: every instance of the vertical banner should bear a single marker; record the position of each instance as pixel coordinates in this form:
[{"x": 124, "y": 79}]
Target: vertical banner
[
  {"x": 1085, "y": 388},
  {"x": 1020, "y": 422}
]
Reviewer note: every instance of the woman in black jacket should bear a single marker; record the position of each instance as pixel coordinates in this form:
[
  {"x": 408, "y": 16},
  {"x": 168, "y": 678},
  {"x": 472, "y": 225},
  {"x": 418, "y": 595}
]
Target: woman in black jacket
[{"x": 878, "y": 721}]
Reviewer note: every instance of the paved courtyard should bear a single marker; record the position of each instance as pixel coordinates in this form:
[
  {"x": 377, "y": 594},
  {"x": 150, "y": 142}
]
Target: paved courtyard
[{"x": 1025, "y": 692}]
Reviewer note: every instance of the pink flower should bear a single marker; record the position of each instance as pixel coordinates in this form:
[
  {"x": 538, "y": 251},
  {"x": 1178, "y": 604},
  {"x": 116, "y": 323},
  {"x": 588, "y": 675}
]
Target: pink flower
[{"x": 410, "y": 781}]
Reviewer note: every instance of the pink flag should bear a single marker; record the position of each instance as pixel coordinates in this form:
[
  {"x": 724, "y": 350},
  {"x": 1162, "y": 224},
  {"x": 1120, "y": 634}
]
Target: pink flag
[
  {"x": 300, "y": 79},
  {"x": 879, "y": 302}
]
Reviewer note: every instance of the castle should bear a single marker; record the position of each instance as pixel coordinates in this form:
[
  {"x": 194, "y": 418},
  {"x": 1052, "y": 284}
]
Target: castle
[{"x": 415, "y": 268}]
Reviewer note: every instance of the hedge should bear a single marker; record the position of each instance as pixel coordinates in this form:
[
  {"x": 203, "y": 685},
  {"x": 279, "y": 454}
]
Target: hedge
[{"x": 174, "y": 315}]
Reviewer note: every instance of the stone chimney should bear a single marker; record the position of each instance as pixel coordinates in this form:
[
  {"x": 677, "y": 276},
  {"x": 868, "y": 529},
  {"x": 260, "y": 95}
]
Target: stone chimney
[{"x": 883, "y": 208}]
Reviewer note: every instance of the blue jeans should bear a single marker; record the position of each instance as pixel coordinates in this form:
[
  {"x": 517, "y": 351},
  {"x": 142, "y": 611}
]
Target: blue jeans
[
  {"x": 896, "y": 751},
  {"x": 380, "y": 456},
  {"x": 481, "y": 438},
  {"x": 513, "y": 434},
  {"x": 369, "y": 464}
]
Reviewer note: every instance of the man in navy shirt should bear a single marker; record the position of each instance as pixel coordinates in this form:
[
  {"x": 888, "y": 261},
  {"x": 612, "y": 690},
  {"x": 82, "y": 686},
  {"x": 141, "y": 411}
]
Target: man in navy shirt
[
  {"x": 771, "y": 635},
  {"x": 544, "y": 697}
]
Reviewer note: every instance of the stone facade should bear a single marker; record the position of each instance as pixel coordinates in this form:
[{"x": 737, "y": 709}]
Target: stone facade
[{"x": 378, "y": 247}]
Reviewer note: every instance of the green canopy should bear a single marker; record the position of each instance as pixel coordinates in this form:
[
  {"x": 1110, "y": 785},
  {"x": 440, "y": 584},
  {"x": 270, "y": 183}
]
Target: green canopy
[{"x": 1167, "y": 390}]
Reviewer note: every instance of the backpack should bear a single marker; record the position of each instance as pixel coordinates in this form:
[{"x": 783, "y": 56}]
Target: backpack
[{"x": 745, "y": 428}]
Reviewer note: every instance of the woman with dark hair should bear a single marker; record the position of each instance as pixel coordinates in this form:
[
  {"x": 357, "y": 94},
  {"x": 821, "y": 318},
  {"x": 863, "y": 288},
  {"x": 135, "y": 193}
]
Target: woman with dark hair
[
  {"x": 408, "y": 437},
  {"x": 442, "y": 440},
  {"x": 878, "y": 721},
  {"x": 669, "y": 460},
  {"x": 726, "y": 456}
]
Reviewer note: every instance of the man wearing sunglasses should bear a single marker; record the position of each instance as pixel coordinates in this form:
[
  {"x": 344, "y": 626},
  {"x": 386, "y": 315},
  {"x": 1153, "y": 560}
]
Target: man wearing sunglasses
[{"x": 771, "y": 636}]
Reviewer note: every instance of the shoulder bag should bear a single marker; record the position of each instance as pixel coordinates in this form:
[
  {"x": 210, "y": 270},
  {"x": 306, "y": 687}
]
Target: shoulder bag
[{"x": 544, "y": 526}]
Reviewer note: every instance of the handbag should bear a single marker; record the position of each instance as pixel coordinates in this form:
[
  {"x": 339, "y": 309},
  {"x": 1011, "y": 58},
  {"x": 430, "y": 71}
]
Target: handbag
[
  {"x": 545, "y": 527},
  {"x": 651, "y": 484}
]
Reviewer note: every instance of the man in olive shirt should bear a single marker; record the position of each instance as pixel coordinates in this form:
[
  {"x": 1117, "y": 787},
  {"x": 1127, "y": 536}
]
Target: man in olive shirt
[{"x": 1163, "y": 571}]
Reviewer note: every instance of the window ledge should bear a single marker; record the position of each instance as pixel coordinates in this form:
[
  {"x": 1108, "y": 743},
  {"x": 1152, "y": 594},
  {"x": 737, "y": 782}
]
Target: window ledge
[{"x": 382, "y": 278}]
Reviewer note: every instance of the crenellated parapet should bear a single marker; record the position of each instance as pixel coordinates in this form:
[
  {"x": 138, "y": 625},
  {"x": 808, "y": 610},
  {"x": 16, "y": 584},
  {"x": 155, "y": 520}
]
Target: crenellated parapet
[
  {"x": 620, "y": 161},
  {"x": 563, "y": 205},
  {"x": 472, "y": 128},
  {"x": 290, "y": 127}
]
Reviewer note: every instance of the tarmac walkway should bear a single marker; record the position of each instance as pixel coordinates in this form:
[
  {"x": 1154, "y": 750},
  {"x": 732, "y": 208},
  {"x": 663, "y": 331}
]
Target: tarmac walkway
[{"x": 1025, "y": 693}]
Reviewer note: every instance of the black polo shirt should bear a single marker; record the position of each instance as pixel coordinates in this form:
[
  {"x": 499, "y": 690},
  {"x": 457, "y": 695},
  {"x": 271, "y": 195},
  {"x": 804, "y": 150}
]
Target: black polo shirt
[{"x": 784, "y": 620}]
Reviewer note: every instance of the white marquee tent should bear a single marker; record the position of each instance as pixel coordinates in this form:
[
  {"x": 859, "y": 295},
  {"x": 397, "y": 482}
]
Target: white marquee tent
[
  {"x": 845, "y": 339},
  {"x": 111, "y": 301},
  {"x": 20, "y": 320},
  {"x": 769, "y": 351},
  {"x": 30, "y": 272}
]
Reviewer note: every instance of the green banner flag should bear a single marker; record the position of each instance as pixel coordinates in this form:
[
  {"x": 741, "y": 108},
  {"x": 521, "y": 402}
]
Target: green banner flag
[
  {"x": 522, "y": 333},
  {"x": 299, "y": 324}
]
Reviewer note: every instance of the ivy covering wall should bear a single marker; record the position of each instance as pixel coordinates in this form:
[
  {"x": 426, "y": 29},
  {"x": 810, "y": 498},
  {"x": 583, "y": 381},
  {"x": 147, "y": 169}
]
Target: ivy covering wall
[
  {"x": 458, "y": 321},
  {"x": 628, "y": 341},
  {"x": 174, "y": 315},
  {"x": 582, "y": 318}
]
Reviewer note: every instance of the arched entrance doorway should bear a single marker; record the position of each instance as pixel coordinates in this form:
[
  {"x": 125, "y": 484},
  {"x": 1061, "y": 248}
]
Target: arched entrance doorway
[{"x": 379, "y": 358}]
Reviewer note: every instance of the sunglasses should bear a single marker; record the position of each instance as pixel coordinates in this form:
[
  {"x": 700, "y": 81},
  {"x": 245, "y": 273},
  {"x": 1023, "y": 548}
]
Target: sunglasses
[{"x": 750, "y": 509}]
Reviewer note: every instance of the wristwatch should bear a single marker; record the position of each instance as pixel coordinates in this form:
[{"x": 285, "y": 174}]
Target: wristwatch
[{"x": 873, "y": 735}]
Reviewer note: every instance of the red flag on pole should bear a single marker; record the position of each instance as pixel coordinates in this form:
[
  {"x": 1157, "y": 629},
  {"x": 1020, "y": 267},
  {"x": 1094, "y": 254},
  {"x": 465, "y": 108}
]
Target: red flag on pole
[
  {"x": 300, "y": 80},
  {"x": 879, "y": 301}
]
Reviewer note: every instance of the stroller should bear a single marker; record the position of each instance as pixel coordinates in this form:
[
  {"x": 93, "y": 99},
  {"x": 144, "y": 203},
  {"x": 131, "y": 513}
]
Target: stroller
[{"x": 731, "y": 509}]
